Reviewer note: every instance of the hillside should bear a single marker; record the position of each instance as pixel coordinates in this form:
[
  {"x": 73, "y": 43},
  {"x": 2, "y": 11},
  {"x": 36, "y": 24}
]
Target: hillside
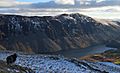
[{"x": 55, "y": 33}]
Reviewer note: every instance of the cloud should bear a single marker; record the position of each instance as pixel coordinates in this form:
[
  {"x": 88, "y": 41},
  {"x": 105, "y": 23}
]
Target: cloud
[
  {"x": 11, "y": 3},
  {"x": 7, "y": 3},
  {"x": 65, "y": 2},
  {"x": 100, "y": 1},
  {"x": 73, "y": 1},
  {"x": 107, "y": 12},
  {"x": 91, "y": 0}
]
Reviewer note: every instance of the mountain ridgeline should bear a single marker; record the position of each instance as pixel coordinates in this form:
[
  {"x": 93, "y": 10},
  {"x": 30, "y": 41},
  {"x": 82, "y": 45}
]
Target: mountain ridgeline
[{"x": 55, "y": 33}]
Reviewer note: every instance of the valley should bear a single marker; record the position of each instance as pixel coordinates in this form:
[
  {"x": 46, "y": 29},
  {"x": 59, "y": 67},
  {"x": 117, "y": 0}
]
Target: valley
[
  {"x": 59, "y": 43},
  {"x": 59, "y": 36},
  {"x": 77, "y": 53}
]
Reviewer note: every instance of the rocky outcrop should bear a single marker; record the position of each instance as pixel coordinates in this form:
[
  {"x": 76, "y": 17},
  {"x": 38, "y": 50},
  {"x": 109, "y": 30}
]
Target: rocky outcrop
[
  {"x": 54, "y": 33},
  {"x": 4, "y": 68}
]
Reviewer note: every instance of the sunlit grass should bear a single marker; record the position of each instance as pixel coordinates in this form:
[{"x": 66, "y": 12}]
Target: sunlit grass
[{"x": 117, "y": 61}]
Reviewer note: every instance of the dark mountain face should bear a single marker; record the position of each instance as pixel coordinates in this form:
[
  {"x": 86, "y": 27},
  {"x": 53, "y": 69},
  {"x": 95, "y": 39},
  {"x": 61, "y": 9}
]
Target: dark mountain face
[{"x": 50, "y": 34}]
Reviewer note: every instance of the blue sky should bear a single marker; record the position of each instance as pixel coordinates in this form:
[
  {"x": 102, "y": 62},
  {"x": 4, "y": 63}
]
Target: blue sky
[{"x": 34, "y": 1}]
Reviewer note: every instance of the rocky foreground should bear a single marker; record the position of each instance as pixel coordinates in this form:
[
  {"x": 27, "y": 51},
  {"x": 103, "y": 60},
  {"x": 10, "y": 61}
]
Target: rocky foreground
[
  {"x": 4, "y": 68},
  {"x": 60, "y": 64}
]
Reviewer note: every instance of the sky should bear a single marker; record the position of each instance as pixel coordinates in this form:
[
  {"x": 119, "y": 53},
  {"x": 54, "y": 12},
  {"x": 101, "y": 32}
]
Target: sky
[
  {"x": 12, "y": 7},
  {"x": 8, "y": 3},
  {"x": 33, "y": 1}
]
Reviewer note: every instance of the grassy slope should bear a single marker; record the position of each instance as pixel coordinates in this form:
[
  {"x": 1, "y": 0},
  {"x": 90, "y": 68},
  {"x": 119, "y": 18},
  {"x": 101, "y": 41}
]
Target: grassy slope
[{"x": 108, "y": 56}]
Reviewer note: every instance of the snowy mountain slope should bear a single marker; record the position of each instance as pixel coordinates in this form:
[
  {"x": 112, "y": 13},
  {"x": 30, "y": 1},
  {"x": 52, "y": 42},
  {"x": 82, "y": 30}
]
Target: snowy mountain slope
[
  {"x": 55, "y": 33},
  {"x": 51, "y": 63}
]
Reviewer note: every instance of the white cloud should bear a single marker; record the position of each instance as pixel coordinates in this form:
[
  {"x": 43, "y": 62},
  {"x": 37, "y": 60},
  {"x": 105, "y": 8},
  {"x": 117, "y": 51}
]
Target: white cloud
[
  {"x": 7, "y": 3},
  {"x": 72, "y": 1},
  {"x": 107, "y": 12},
  {"x": 65, "y": 1},
  {"x": 91, "y": 0},
  {"x": 11, "y": 3},
  {"x": 100, "y": 0}
]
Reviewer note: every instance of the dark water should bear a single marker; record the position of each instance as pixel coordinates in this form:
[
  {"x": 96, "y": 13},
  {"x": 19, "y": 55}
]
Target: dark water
[{"x": 83, "y": 52}]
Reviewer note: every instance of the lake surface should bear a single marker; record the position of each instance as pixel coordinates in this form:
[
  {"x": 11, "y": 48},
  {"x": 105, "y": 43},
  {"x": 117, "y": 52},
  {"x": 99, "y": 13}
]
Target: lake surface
[
  {"x": 83, "y": 52},
  {"x": 74, "y": 53}
]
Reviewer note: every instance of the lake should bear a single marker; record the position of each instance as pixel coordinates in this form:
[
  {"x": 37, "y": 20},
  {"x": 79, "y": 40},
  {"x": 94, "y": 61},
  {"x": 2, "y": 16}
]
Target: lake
[{"x": 76, "y": 53}]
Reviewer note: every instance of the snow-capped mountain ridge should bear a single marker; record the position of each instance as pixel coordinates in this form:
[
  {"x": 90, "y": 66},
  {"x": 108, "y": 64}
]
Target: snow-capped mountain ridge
[{"x": 55, "y": 33}]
